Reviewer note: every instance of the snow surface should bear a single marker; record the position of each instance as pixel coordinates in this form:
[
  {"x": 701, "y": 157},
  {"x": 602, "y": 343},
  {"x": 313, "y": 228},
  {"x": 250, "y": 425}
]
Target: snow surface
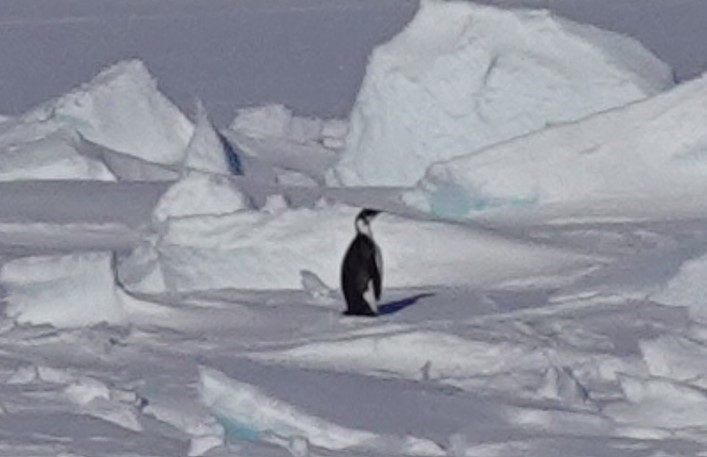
[
  {"x": 236, "y": 401},
  {"x": 72, "y": 290},
  {"x": 433, "y": 93},
  {"x": 687, "y": 287},
  {"x": 267, "y": 251},
  {"x": 203, "y": 316}
]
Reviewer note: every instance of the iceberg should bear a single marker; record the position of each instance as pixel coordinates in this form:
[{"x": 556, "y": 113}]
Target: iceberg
[{"x": 461, "y": 77}]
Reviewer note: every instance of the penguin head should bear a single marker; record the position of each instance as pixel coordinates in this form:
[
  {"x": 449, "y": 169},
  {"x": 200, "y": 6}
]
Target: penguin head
[{"x": 363, "y": 220}]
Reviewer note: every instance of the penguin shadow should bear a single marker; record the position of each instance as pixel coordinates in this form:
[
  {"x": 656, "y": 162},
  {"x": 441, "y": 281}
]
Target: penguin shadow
[{"x": 399, "y": 305}]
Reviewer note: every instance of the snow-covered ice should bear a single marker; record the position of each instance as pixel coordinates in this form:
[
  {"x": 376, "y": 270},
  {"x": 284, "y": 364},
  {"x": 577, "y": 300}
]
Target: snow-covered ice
[
  {"x": 122, "y": 110},
  {"x": 660, "y": 403},
  {"x": 687, "y": 287},
  {"x": 116, "y": 126},
  {"x": 246, "y": 410},
  {"x": 651, "y": 150},
  {"x": 260, "y": 250},
  {"x": 206, "y": 151},
  {"x": 29, "y": 152},
  {"x": 71, "y": 290},
  {"x": 433, "y": 93},
  {"x": 298, "y": 149},
  {"x": 198, "y": 193}
]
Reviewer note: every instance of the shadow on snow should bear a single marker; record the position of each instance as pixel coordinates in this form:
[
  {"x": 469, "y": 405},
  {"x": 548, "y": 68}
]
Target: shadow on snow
[{"x": 399, "y": 305}]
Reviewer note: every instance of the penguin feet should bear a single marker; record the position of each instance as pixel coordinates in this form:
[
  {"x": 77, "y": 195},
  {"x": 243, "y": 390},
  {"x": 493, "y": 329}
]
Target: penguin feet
[{"x": 363, "y": 313}]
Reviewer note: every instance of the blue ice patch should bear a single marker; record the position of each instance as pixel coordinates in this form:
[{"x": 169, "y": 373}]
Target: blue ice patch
[
  {"x": 696, "y": 155},
  {"x": 234, "y": 161},
  {"x": 238, "y": 430},
  {"x": 80, "y": 125},
  {"x": 451, "y": 200}
]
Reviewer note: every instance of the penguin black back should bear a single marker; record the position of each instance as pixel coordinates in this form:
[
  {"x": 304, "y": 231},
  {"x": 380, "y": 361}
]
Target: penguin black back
[{"x": 361, "y": 270}]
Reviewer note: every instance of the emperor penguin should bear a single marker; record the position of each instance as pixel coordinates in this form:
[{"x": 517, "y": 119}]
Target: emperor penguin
[{"x": 362, "y": 269}]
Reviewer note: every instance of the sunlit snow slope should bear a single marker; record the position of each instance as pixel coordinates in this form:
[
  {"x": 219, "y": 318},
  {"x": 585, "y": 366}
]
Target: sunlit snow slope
[{"x": 650, "y": 150}]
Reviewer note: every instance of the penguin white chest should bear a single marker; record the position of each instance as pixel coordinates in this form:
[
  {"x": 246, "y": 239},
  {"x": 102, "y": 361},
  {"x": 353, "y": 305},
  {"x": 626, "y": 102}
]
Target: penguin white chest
[
  {"x": 379, "y": 258},
  {"x": 369, "y": 295}
]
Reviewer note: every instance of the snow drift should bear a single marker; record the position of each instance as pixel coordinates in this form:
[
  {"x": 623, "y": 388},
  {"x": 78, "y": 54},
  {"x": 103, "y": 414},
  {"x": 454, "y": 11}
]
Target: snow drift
[
  {"x": 249, "y": 413},
  {"x": 269, "y": 249},
  {"x": 687, "y": 288},
  {"x": 404, "y": 353},
  {"x": 659, "y": 403},
  {"x": 198, "y": 193},
  {"x": 462, "y": 76},
  {"x": 73, "y": 290},
  {"x": 652, "y": 149}
]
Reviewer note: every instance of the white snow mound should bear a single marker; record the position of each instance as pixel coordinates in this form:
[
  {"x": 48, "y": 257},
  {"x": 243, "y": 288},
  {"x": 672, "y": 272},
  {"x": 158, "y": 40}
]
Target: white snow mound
[
  {"x": 462, "y": 76},
  {"x": 198, "y": 193},
  {"x": 673, "y": 357},
  {"x": 250, "y": 413},
  {"x": 268, "y": 250},
  {"x": 688, "y": 287},
  {"x": 256, "y": 413},
  {"x": 405, "y": 353},
  {"x": 66, "y": 291},
  {"x": 659, "y": 403},
  {"x": 653, "y": 149}
]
